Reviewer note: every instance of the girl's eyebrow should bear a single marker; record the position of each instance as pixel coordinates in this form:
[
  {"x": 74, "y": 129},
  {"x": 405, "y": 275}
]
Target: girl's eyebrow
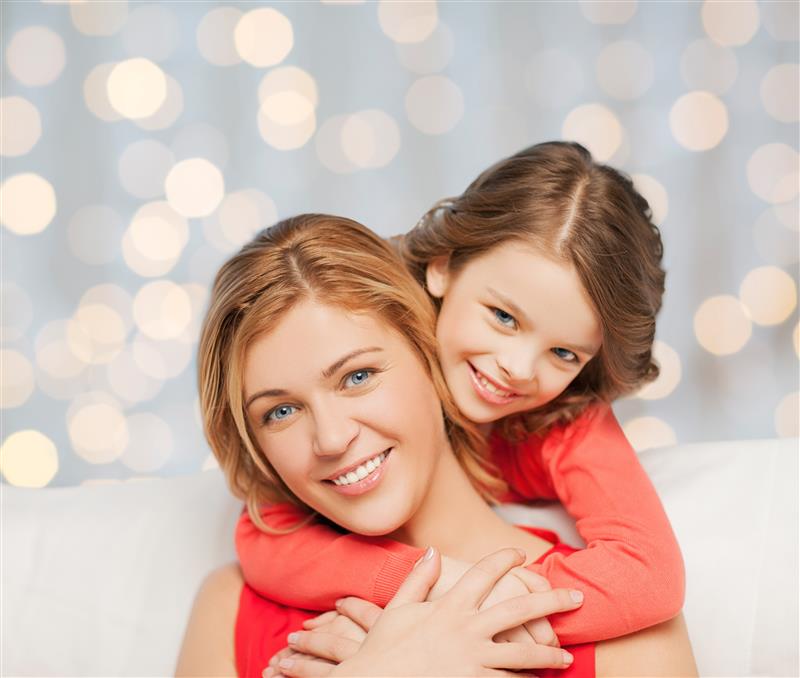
[
  {"x": 516, "y": 310},
  {"x": 327, "y": 373}
]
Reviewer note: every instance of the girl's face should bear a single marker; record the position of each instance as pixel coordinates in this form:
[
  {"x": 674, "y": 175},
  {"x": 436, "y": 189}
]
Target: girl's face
[
  {"x": 514, "y": 329},
  {"x": 346, "y": 414}
]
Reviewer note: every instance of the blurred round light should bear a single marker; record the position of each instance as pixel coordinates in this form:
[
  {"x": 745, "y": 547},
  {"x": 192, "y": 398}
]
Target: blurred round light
[
  {"x": 559, "y": 92},
  {"x": 28, "y": 459},
  {"x": 769, "y": 294},
  {"x": 431, "y": 55},
  {"x": 155, "y": 239},
  {"x": 215, "y": 36},
  {"x": 698, "y": 120},
  {"x": 115, "y": 298},
  {"x": 198, "y": 296},
  {"x": 434, "y": 104},
  {"x": 722, "y": 325},
  {"x": 98, "y": 432},
  {"x": 27, "y": 203},
  {"x": 625, "y": 70},
  {"x": 329, "y": 146},
  {"x": 150, "y": 444},
  {"x": 705, "y": 65},
  {"x": 162, "y": 310},
  {"x": 95, "y": 93},
  {"x": 781, "y": 20},
  {"x": 408, "y": 21},
  {"x": 772, "y": 172},
  {"x": 608, "y": 11},
  {"x": 54, "y": 356},
  {"x": 161, "y": 360},
  {"x": 370, "y": 139},
  {"x": 655, "y": 194},
  {"x": 194, "y": 187},
  {"x": 780, "y": 92},
  {"x": 35, "y": 56},
  {"x": 286, "y": 137},
  {"x": 17, "y": 382},
  {"x": 96, "y": 334},
  {"x": 289, "y": 79},
  {"x": 263, "y": 37},
  {"x": 788, "y": 214},
  {"x": 151, "y": 32},
  {"x": 143, "y": 168},
  {"x": 99, "y": 18},
  {"x": 787, "y": 415},
  {"x": 201, "y": 140},
  {"x": 136, "y": 88},
  {"x": 596, "y": 127},
  {"x": 17, "y": 311},
  {"x": 94, "y": 234},
  {"x": 168, "y": 112},
  {"x": 20, "y": 126},
  {"x": 669, "y": 363},
  {"x": 127, "y": 380},
  {"x": 645, "y": 433},
  {"x": 730, "y": 23},
  {"x": 243, "y": 214}
]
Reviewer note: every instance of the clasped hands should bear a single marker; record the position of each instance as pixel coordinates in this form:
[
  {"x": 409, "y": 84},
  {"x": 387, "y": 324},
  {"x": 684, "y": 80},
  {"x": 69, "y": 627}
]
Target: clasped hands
[{"x": 490, "y": 622}]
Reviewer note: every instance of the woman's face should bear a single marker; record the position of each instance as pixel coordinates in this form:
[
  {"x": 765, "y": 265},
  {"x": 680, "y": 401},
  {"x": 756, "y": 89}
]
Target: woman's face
[
  {"x": 514, "y": 329},
  {"x": 346, "y": 414}
]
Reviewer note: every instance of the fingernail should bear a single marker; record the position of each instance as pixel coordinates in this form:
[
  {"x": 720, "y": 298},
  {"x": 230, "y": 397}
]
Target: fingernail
[
  {"x": 428, "y": 554},
  {"x": 577, "y": 596},
  {"x": 286, "y": 663},
  {"x": 567, "y": 657},
  {"x": 522, "y": 553},
  {"x": 338, "y": 602},
  {"x": 292, "y": 638}
]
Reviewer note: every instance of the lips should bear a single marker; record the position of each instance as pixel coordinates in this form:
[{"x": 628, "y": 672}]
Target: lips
[
  {"x": 365, "y": 484},
  {"x": 489, "y": 390}
]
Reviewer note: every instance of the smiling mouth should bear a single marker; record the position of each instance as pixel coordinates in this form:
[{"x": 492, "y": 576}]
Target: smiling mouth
[
  {"x": 489, "y": 391},
  {"x": 362, "y": 472}
]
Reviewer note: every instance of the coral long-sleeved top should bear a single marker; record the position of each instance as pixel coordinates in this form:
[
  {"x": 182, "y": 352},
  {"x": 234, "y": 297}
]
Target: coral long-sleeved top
[{"x": 631, "y": 571}]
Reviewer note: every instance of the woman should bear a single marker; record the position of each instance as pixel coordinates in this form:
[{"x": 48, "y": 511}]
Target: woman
[{"x": 318, "y": 356}]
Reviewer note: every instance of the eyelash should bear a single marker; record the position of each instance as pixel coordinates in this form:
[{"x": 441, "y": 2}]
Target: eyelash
[
  {"x": 497, "y": 311},
  {"x": 574, "y": 360},
  {"x": 267, "y": 421}
]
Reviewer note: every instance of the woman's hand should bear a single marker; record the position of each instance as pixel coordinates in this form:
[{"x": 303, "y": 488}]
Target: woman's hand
[{"x": 452, "y": 636}]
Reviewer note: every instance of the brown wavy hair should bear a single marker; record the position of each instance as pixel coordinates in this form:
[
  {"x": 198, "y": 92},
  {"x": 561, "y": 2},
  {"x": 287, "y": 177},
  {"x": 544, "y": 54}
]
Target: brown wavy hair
[
  {"x": 334, "y": 261},
  {"x": 574, "y": 210}
]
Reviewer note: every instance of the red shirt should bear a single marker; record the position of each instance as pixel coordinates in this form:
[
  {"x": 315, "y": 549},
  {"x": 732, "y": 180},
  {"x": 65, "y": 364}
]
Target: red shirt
[{"x": 631, "y": 571}]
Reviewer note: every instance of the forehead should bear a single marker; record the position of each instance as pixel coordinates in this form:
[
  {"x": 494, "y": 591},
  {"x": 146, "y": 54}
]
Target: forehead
[{"x": 309, "y": 338}]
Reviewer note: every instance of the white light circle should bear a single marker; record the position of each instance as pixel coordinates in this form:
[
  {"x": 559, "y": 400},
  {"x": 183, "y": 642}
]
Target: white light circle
[
  {"x": 770, "y": 295},
  {"x": 98, "y": 431},
  {"x": 722, "y": 325},
  {"x": 17, "y": 383},
  {"x": 286, "y": 137},
  {"x": 780, "y": 92},
  {"x": 329, "y": 146},
  {"x": 370, "y": 139},
  {"x": 99, "y": 18},
  {"x": 95, "y": 93},
  {"x": 162, "y": 309},
  {"x": 645, "y": 433},
  {"x": 136, "y": 88},
  {"x": 143, "y": 168},
  {"x": 127, "y": 381},
  {"x": 28, "y": 459},
  {"x": 656, "y": 195},
  {"x": 730, "y": 23},
  {"x": 625, "y": 70},
  {"x": 215, "y": 36},
  {"x": 243, "y": 214},
  {"x": 669, "y": 363},
  {"x": 406, "y": 22},
  {"x": 434, "y": 104},
  {"x": 35, "y": 56},
  {"x": 263, "y": 37},
  {"x": 194, "y": 187},
  {"x": 20, "y": 126},
  {"x": 698, "y": 121},
  {"x": 169, "y": 110},
  {"x": 772, "y": 172},
  {"x": 595, "y": 127},
  {"x": 155, "y": 239},
  {"x": 150, "y": 443},
  {"x": 27, "y": 203}
]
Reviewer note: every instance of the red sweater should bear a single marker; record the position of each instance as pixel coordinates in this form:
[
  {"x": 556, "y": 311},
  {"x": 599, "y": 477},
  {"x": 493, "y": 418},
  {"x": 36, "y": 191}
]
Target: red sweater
[{"x": 631, "y": 571}]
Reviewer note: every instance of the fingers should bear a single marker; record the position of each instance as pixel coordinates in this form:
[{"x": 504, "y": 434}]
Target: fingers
[
  {"x": 416, "y": 586},
  {"x": 534, "y": 582},
  {"x": 516, "y": 611},
  {"x": 527, "y": 656},
  {"x": 542, "y": 632},
  {"x": 303, "y": 666},
  {"x": 324, "y": 618},
  {"x": 323, "y": 645},
  {"x": 362, "y": 612},
  {"x": 480, "y": 579}
]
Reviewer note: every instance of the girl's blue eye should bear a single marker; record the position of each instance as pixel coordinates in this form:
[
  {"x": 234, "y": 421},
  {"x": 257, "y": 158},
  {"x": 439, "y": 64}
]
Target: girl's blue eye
[
  {"x": 505, "y": 319},
  {"x": 357, "y": 378},
  {"x": 279, "y": 413},
  {"x": 566, "y": 355}
]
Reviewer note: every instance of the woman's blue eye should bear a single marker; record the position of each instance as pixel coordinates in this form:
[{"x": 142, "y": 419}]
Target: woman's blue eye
[
  {"x": 279, "y": 413},
  {"x": 566, "y": 355},
  {"x": 357, "y": 378},
  {"x": 505, "y": 319}
]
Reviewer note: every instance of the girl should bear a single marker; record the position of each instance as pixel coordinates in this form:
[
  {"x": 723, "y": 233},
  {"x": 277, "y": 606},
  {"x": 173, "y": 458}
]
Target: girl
[
  {"x": 317, "y": 356},
  {"x": 547, "y": 279}
]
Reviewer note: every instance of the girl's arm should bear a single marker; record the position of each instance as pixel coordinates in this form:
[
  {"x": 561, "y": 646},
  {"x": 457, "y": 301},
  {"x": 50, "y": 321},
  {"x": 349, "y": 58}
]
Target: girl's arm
[
  {"x": 315, "y": 565},
  {"x": 631, "y": 571}
]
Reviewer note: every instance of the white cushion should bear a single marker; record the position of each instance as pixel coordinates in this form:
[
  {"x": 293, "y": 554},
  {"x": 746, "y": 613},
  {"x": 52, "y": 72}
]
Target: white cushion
[{"x": 99, "y": 580}]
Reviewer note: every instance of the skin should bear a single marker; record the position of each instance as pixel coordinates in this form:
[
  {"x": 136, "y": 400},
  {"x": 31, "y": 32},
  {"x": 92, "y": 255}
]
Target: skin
[{"x": 522, "y": 320}]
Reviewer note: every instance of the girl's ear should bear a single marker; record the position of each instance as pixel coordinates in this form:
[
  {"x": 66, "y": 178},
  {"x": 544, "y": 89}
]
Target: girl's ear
[{"x": 437, "y": 276}]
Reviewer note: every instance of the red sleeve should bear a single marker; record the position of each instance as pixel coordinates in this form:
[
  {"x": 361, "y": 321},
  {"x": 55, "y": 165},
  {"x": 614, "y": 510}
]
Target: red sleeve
[
  {"x": 315, "y": 565},
  {"x": 631, "y": 571}
]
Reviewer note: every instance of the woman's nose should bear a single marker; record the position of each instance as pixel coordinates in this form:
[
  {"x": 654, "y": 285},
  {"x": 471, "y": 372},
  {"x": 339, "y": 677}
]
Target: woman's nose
[{"x": 333, "y": 433}]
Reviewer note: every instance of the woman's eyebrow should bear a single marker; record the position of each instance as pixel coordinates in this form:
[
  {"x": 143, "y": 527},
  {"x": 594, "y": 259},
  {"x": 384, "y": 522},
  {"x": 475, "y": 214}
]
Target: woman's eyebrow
[{"x": 327, "y": 373}]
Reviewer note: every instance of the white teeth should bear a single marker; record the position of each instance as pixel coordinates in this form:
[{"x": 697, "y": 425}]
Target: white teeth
[
  {"x": 491, "y": 387},
  {"x": 361, "y": 472}
]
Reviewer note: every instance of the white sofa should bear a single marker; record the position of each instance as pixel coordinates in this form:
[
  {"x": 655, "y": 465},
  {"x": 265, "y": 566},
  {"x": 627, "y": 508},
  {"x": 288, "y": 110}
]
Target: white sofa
[{"x": 99, "y": 580}]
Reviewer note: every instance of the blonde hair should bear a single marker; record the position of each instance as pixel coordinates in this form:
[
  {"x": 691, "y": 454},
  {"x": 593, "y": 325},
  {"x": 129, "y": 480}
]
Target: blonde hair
[{"x": 335, "y": 261}]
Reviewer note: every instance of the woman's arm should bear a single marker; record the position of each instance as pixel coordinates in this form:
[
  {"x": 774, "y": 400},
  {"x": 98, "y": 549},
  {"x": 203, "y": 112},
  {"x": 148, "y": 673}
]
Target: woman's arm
[{"x": 631, "y": 571}]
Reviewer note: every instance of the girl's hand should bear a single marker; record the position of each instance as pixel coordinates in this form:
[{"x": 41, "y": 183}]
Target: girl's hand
[{"x": 452, "y": 636}]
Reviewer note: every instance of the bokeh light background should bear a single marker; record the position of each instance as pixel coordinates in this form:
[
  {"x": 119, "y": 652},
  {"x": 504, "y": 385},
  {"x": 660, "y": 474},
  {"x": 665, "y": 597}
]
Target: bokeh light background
[{"x": 143, "y": 143}]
